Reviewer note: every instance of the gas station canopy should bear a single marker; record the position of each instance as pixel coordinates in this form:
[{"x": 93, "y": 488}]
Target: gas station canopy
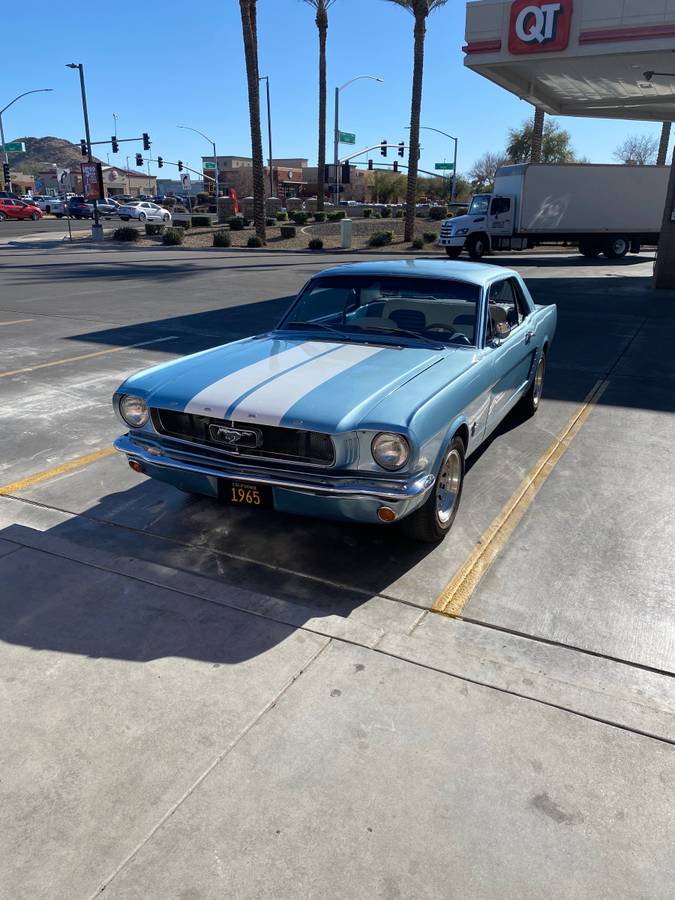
[{"x": 578, "y": 57}]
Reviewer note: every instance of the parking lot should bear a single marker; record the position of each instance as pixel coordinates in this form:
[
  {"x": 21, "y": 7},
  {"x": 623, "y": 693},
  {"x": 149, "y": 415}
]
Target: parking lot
[{"x": 201, "y": 702}]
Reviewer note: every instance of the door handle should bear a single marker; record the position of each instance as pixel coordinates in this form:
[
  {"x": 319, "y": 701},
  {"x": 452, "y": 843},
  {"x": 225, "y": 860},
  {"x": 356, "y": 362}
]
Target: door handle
[{"x": 529, "y": 335}]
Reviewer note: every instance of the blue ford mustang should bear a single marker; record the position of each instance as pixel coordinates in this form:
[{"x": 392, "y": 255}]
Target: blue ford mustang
[{"x": 361, "y": 405}]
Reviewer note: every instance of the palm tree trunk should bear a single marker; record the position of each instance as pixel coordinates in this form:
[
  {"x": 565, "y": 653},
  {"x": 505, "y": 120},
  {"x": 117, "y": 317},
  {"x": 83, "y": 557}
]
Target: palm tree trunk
[
  {"x": 663, "y": 144},
  {"x": 322, "y": 25},
  {"x": 415, "y": 111},
  {"x": 250, "y": 34},
  {"x": 537, "y": 134}
]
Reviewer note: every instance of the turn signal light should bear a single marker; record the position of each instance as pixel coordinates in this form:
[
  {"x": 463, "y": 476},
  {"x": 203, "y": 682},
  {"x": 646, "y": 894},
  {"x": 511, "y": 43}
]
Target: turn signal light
[
  {"x": 386, "y": 514},
  {"x": 135, "y": 465}
]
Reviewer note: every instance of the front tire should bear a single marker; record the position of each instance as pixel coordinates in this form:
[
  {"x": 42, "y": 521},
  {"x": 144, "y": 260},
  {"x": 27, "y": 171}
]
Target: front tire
[
  {"x": 529, "y": 403},
  {"x": 2, "y": 216},
  {"x": 166, "y": 217},
  {"x": 142, "y": 217},
  {"x": 478, "y": 246},
  {"x": 454, "y": 252},
  {"x": 34, "y": 217},
  {"x": 433, "y": 520}
]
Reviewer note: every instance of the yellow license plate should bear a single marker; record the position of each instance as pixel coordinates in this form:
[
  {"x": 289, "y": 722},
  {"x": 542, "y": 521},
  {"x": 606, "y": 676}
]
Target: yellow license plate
[{"x": 245, "y": 493}]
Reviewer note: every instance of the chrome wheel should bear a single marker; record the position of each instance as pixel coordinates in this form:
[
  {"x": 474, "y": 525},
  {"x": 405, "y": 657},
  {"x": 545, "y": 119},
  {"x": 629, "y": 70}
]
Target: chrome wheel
[
  {"x": 448, "y": 486},
  {"x": 538, "y": 387}
]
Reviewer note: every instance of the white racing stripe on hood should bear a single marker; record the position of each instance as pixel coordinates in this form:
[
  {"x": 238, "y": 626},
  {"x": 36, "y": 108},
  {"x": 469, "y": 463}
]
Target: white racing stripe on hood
[
  {"x": 218, "y": 397},
  {"x": 270, "y": 403}
]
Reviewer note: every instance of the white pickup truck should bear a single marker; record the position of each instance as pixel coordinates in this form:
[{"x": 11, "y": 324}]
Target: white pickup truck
[{"x": 608, "y": 209}]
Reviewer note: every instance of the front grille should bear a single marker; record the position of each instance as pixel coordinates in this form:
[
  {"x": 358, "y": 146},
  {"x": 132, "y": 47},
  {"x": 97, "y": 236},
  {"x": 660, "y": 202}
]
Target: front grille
[
  {"x": 446, "y": 230},
  {"x": 263, "y": 442}
]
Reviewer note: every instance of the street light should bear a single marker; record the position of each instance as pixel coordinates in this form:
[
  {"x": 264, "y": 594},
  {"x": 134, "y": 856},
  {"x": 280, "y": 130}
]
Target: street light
[
  {"x": 336, "y": 137},
  {"x": 215, "y": 156},
  {"x": 96, "y": 229},
  {"x": 454, "y": 165},
  {"x": 2, "y": 130},
  {"x": 266, "y": 78}
]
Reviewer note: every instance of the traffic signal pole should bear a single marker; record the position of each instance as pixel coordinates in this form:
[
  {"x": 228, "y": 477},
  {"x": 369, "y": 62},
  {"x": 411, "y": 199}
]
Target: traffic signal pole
[{"x": 97, "y": 229}]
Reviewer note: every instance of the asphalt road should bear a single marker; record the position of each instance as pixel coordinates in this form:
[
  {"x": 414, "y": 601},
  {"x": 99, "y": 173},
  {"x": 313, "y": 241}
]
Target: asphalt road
[{"x": 203, "y": 702}]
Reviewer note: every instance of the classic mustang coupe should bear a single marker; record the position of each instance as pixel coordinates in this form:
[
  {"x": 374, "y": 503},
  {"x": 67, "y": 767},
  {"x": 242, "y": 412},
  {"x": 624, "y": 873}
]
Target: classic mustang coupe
[{"x": 361, "y": 405}]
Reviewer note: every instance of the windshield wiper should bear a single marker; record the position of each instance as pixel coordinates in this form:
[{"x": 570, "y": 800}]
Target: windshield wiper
[
  {"x": 314, "y": 325},
  {"x": 384, "y": 330}
]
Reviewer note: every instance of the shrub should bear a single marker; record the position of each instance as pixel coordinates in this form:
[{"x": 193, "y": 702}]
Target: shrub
[
  {"x": 367, "y": 213},
  {"x": 376, "y": 215},
  {"x": 429, "y": 237},
  {"x": 300, "y": 217},
  {"x": 173, "y": 236},
  {"x": 381, "y": 239},
  {"x": 125, "y": 234},
  {"x": 151, "y": 229},
  {"x": 201, "y": 221},
  {"x": 436, "y": 213},
  {"x": 168, "y": 203},
  {"x": 246, "y": 221},
  {"x": 179, "y": 208},
  {"x": 236, "y": 223},
  {"x": 386, "y": 212},
  {"x": 288, "y": 231},
  {"x": 315, "y": 244},
  {"x": 399, "y": 214},
  {"x": 418, "y": 243},
  {"x": 222, "y": 239},
  {"x": 282, "y": 217},
  {"x": 254, "y": 241},
  {"x": 181, "y": 224},
  {"x": 270, "y": 220},
  {"x": 319, "y": 216},
  {"x": 203, "y": 198},
  {"x": 336, "y": 216}
]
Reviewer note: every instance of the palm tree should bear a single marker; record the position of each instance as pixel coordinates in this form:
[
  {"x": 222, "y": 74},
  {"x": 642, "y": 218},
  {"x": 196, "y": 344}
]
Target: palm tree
[
  {"x": 420, "y": 9},
  {"x": 249, "y": 26},
  {"x": 321, "y": 7}
]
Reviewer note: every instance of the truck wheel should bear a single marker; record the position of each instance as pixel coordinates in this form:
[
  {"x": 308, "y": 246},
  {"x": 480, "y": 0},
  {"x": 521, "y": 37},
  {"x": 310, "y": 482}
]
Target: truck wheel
[
  {"x": 590, "y": 249},
  {"x": 477, "y": 245},
  {"x": 616, "y": 247},
  {"x": 454, "y": 252},
  {"x": 432, "y": 521}
]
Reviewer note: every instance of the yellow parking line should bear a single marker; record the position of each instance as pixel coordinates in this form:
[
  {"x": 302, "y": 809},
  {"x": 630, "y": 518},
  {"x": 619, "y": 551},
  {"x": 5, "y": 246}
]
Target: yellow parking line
[
  {"x": 39, "y": 477},
  {"x": 69, "y": 359},
  {"x": 16, "y": 321},
  {"x": 454, "y": 597}
]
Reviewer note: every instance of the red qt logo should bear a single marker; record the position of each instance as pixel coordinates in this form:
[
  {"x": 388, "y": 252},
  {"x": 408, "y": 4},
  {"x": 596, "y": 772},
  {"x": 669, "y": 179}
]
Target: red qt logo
[{"x": 539, "y": 26}]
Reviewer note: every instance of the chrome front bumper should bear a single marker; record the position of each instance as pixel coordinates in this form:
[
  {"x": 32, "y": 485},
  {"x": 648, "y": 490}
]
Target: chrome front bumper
[{"x": 324, "y": 485}]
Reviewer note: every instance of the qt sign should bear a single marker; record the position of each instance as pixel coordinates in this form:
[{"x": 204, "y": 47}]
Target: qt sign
[{"x": 539, "y": 26}]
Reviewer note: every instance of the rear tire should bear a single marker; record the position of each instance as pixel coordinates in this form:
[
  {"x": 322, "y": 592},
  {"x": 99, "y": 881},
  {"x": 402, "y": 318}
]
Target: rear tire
[
  {"x": 454, "y": 252},
  {"x": 529, "y": 402},
  {"x": 2, "y": 216},
  {"x": 616, "y": 247},
  {"x": 433, "y": 520},
  {"x": 142, "y": 217},
  {"x": 590, "y": 249},
  {"x": 477, "y": 246}
]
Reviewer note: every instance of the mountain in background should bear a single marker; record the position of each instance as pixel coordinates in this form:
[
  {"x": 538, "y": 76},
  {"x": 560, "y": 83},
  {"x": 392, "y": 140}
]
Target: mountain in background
[{"x": 42, "y": 153}]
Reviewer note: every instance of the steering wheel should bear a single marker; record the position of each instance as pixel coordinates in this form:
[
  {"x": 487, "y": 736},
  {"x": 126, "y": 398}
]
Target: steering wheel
[{"x": 456, "y": 336}]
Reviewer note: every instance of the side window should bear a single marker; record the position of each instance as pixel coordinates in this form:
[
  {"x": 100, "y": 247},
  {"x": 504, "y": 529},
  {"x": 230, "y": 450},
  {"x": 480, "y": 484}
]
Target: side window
[
  {"x": 502, "y": 308},
  {"x": 523, "y": 308},
  {"x": 500, "y": 205}
]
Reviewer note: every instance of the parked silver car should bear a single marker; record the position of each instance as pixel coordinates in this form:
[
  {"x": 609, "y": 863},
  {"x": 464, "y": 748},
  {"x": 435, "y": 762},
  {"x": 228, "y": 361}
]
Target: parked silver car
[{"x": 143, "y": 210}]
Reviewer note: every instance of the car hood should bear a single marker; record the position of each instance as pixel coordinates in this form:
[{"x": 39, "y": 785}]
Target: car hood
[{"x": 318, "y": 385}]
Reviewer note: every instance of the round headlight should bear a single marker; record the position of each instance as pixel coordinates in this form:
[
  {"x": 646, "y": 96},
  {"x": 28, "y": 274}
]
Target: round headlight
[
  {"x": 391, "y": 451},
  {"x": 134, "y": 411}
]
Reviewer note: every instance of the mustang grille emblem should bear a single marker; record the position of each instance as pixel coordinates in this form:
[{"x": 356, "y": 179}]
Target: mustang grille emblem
[{"x": 236, "y": 437}]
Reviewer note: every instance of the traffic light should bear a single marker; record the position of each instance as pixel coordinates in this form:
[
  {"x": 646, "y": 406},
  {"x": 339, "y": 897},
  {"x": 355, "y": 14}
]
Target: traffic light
[
  {"x": 146, "y": 141},
  {"x": 383, "y": 147},
  {"x": 139, "y": 159},
  {"x": 346, "y": 173},
  {"x": 395, "y": 166},
  {"x": 115, "y": 145},
  {"x": 401, "y": 148},
  {"x": 160, "y": 162},
  {"x": 5, "y": 174},
  {"x": 180, "y": 165},
  {"x": 370, "y": 165},
  {"x": 83, "y": 148}
]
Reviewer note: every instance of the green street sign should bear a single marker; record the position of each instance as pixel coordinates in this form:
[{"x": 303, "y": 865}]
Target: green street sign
[
  {"x": 209, "y": 165},
  {"x": 446, "y": 167},
  {"x": 346, "y": 137},
  {"x": 15, "y": 147}
]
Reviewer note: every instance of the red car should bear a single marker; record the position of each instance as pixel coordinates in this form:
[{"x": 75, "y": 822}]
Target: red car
[{"x": 17, "y": 209}]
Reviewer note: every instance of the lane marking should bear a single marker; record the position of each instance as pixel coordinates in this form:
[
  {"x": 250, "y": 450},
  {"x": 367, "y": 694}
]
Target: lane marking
[
  {"x": 452, "y": 600},
  {"x": 48, "y": 474},
  {"x": 69, "y": 359},
  {"x": 16, "y": 321}
]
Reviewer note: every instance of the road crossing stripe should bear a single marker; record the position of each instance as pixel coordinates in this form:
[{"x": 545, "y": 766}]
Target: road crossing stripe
[{"x": 16, "y": 321}]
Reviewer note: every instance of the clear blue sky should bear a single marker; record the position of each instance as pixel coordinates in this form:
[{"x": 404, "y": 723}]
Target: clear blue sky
[{"x": 186, "y": 66}]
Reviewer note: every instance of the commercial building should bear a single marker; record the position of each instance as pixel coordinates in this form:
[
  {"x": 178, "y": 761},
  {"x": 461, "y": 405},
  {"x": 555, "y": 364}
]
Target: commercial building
[{"x": 116, "y": 180}]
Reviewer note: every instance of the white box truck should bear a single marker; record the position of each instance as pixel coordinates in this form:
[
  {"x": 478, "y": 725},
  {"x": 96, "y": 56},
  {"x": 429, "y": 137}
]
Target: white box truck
[{"x": 608, "y": 209}]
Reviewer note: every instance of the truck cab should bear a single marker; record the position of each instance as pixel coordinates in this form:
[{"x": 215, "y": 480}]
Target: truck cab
[{"x": 490, "y": 217}]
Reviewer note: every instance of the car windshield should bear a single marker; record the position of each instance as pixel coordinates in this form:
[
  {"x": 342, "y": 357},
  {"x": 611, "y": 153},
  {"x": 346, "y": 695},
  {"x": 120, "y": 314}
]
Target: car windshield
[
  {"x": 434, "y": 310},
  {"x": 479, "y": 205}
]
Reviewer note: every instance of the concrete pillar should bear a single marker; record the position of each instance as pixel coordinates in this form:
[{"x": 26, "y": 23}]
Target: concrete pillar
[
  {"x": 346, "y": 233},
  {"x": 663, "y": 144},
  {"x": 664, "y": 271},
  {"x": 537, "y": 134}
]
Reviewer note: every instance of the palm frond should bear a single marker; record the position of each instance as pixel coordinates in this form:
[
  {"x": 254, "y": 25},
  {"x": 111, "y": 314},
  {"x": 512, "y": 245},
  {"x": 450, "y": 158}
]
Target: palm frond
[
  {"x": 320, "y": 4},
  {"x": 411, "y": 4}
]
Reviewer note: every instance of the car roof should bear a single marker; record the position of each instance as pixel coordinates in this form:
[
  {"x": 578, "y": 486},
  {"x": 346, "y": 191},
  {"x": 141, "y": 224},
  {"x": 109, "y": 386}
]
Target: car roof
[{"x": 473, "y": 273}]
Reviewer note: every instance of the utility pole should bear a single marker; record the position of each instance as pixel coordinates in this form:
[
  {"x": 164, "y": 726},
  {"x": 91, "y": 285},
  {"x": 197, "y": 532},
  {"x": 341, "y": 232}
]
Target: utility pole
[
  {"x": 96, "y": 230},
  {"x": 266, "y": 79}
]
